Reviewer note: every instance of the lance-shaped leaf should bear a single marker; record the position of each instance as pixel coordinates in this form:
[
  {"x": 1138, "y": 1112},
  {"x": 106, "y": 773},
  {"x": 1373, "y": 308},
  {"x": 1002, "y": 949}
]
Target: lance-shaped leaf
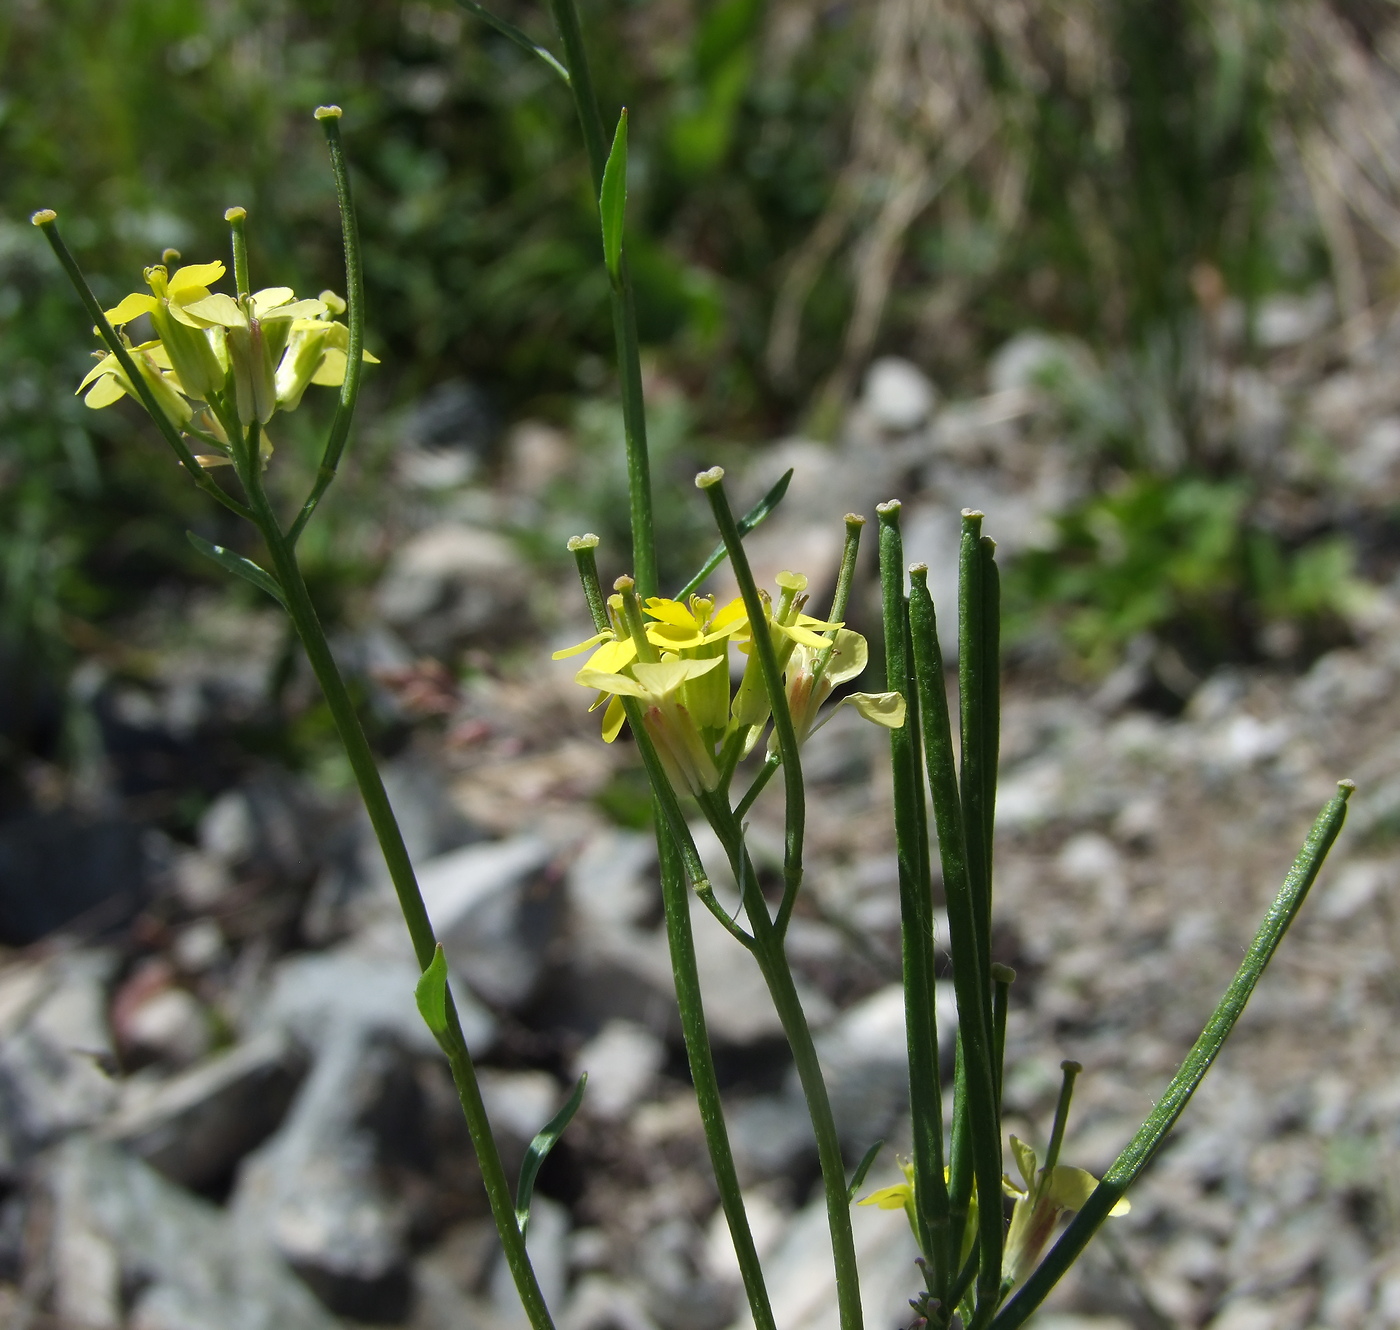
[
  {"x": 431, "y": 995},
  {"x": 236, "y": 563},
  {"x": 747, "y": 522},
  {"x": 539, "y": 1150},
  {"x": 612, "y": 200},
  {"x": 863, "y": 1168}
]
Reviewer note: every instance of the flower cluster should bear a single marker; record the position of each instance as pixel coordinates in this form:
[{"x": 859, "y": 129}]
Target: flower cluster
[
  {"x": 674, "y": 658},
  {"x": 1047, "y": 1194},
  {"x": 219, "y": 363}
]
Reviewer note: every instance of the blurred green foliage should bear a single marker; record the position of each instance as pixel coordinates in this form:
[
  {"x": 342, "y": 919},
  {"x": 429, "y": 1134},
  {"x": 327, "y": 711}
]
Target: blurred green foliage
[
  {"x": 1131, "y": 151},
  {"x": 1184, "y": 559}
]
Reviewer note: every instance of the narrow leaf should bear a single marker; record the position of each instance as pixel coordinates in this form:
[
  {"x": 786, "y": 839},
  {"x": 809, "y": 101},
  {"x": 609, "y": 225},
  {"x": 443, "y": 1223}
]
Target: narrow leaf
[
  {"x": 237, "y": 564},
  {"x": 612, "y": 200},
  {"x": 431, "y": 994},
  {"x": 862, "y": 1169},
  {"x": 539, "y": 1150},
  {"x": 747, "y": 522},
  {"x": 509, "y": 30}
]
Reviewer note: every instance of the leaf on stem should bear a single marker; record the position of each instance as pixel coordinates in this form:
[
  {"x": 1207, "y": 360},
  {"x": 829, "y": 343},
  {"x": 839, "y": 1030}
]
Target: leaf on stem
[
  {"x": 747, "y": 522},
  {"x": 237, "y": 564},
  {"x": 863, "y": 1168},
  {"x": 510, "y": 31},
  {"x": 431, "y": 994},
  {"x": 540, "y": 1147},
  {"x": 612, "y": 199}
]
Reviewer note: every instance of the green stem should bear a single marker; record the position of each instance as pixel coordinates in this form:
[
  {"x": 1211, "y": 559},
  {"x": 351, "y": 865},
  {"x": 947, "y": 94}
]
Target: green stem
[
  {"x": 777, "y": 974},
  {"x": 676, "y": 900},
  {"x": 624, "y": 313},
  {"x": 329, "y": 116},
  {"x": 765, "y": 773},
  {"x": 916, "y": 914},
  {"x": 420, "y": 928},
  {"x": 1139, "y": 1151},
  {"x": 712, "y": 482},
  {"x": 47, "y": 222}
]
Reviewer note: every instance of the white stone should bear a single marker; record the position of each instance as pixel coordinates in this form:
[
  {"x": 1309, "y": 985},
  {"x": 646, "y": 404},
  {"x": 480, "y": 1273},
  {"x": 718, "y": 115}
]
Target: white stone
[
  {"x": 621, "y": 1060},
  {"x": 898, "y": 394}
]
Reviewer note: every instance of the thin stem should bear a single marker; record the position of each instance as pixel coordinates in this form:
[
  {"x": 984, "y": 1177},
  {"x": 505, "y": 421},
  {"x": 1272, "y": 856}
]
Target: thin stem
[
  {"x": 329, "y": 116},
  {"x": 396, "y": 858},
  {"x": 1139, "y": 1151},
  {"x": 624, "y": 313},
  {"x": 712, "y": 482},
  {"x": 47, "y": 222},
  {"x": 772, "y": 961},
  {"x": 702, "y": 1074},
  {"x": 915, "y": 912},
  {"x": 1069, "y": 1069},
  {"x": 770, "y": 764}
]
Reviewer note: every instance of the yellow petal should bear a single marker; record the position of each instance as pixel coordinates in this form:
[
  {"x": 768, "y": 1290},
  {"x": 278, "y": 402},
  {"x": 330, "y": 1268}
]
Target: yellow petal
[
  {"x": 613, "y": 656},
  {"x": 885, "y": 709},
  {"x": 107, "y": 365},
  {"x": 298, "y": 309},
  {"x": 1071, "y": 1187},
  {"x": 889, "y": 1198},
  {"x": 734, "y": 613},
  {"x": 801, "y": 633},
  {"x": 219, "y": 309},
  {"x": 331, "y": 371},
  {"x": 1026, "y": 1161},
  {"x": 193, "y": 276},
  {"x": 369, "y": 359},
  {"x": 613, "y": 719},
  {"x": 848, "y": 657},
  {"x": 661, "y": 678},
  {"x": 270, "y": 297},
  {"x": 672, "y": 612},
  {"x": 582, "y": 646},
  {"x": 104, "y": 392},
  {"x": 610, "y": 683},
  {"x": 130, "y": 307}
]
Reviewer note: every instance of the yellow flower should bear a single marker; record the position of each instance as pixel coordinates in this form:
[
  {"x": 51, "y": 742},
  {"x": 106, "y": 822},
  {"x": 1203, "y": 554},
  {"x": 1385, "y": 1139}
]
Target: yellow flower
[
  {"x": 196, "y": 354},
  {"x": 813, "y": 672},
  {"x": 1047, "y": 1194},
  {"x": 901, "y": 1196},
  {"x": 109, "y": 382},
  {"x": 688, "y": 759},
  {"x": 257, "y": 329}
]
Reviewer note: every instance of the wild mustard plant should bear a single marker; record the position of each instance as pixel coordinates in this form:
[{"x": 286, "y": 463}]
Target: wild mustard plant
[{"x": 220, "y": 367}]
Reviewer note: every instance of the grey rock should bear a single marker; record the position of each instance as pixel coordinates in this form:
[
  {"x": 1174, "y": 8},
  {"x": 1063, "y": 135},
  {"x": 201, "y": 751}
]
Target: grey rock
[
  {"x": 898, "y": 394},
  {"x": 801, "y": 1282},
  {"x": 452, "y": 583},
  {"x": 865, "y": 1059},
  {"x": 682, "y": 1292},
  {"x": 769, "y": 1133},
  {"x": 195, "y": 1127},
  {"x": 494, "y": 908},
  {"x": 52, "y": 1077},
  {"x": 603, "y": 1303},
  {"x": 622, "y": 1061},
  {"x": 613, "y": 880},
  {"x": 314, "y": 1189},
  {"x": 315, "y": 994},
  {"x": 119, "y": 1226}
]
